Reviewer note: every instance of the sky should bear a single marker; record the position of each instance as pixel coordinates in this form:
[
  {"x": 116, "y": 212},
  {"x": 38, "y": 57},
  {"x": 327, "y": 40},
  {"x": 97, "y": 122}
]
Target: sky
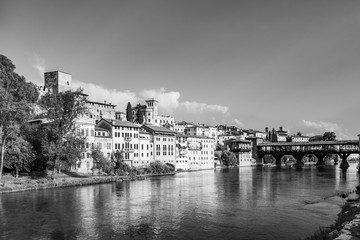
[{"x": 252, "y": 64}]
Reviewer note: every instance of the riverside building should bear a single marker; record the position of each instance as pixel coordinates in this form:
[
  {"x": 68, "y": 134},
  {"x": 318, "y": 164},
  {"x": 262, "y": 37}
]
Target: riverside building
[
  {"x": 194, "y": 152},
  {"x": 163, "y": 142},
  {"x": 125, "y": 137},
  {"x": 243, "y": 152}
]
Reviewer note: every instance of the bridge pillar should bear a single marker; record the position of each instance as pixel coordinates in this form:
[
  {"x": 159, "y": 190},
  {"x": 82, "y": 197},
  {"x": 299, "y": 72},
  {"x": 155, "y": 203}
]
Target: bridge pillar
[
  {"x": 277, "y": 159},
  {"x": 344, "y": 163},
  {"x": 298, "y": 157},
  {"x": 320, "y": 162}
]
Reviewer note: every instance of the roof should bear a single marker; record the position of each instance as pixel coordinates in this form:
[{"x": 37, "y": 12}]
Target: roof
[
  {"x": 240, "y": 141},
  {"x": 41, "y": 120},
  {"x": 100, "y": 103},
  {"x": 181, "y": 123},
  {"x": 100, "y": 129},
  {"x": 158, "y": 129},
  {"x": 193, "y": 136},
  {"x": 117, "y": 122},
  {"x": 308, "y": 143},
  {"x": 300, "y": 136}
]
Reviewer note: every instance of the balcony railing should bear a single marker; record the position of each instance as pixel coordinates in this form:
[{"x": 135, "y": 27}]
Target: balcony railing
[
  {"x": 128, "y": 139},
  {"x": 128, "y": 150}
]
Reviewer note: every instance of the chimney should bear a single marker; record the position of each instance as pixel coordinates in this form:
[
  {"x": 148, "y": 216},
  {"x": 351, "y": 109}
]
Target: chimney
[
  {"x": 266, "y": 130},
  {"x": 105, "y": 101},
  {"x": 281, "y": 128}
]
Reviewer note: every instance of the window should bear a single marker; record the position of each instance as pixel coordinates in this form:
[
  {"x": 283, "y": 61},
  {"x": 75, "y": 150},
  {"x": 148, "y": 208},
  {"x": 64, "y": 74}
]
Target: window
[
  {"x": 164, "y": 150},
  {"x": 108, "y": 145},
  {"x": 157, "y": 149},
  {"x": 92, "y": 132}
]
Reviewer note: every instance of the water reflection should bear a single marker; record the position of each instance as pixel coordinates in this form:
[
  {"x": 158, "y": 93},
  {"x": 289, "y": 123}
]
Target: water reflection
[{"x": 248, "y": 203}]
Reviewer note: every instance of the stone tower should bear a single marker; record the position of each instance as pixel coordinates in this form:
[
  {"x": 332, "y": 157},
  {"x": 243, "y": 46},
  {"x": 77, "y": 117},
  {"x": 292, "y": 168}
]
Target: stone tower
[
  {"x": 58, "y": 81},
  {"x": 151, "y": 110}
]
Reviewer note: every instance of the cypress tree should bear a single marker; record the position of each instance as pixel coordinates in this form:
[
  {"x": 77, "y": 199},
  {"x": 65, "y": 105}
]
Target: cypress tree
[
  {"x": 140, "y": 116},
  {"x": 129, "y": 116}
]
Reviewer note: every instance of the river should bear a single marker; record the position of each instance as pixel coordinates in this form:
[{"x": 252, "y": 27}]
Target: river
[{"x": 240, "y": 203}]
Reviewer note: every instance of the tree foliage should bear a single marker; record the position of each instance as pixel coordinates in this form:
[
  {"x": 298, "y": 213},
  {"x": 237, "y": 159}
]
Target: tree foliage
[
  {"x": 16, "y": 101},
  {"x": 120, "y": 167},
  {"x": 228, "y": 158},
  {"x": 129, "y": 115},
  {"x": 329, "y": 136},
  {"x": 19, "y": 155},
  {"x": 140, "y": 116},
  {"x": 61, "y": 144},
  {"x": 100, "y": 161}
]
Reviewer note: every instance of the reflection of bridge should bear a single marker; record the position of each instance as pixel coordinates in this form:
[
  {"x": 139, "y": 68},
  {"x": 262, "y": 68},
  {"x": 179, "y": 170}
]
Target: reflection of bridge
[{"x": 299, "y": 149}]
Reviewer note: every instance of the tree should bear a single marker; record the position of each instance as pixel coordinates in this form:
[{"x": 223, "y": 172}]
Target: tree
[
  {"x": 16, "y": 100},
  {"x": 19, "y": 155},
  {"x": 120, "y": 167},
  {"x": 140, "y": 116},
  {"x": 100, "y": 161},
  {"x": 229, "y": 158},
  {"x": 129, "y": 115},
  {"x": 61, "y": 145},
  {"x": 329, "y": 136}
]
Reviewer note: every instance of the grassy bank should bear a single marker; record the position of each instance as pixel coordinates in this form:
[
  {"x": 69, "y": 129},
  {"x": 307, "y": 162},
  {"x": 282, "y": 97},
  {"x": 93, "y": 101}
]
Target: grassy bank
[
  {"x": 26, "y": 183},
  {"x": 347, "y": 224}
]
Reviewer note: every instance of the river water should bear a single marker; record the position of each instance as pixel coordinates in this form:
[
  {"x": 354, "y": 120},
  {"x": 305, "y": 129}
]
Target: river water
[{"x": 241, "y": 203}]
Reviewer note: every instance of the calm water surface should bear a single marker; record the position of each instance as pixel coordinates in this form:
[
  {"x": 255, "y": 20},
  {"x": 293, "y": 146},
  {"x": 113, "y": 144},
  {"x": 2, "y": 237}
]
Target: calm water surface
[{"x": 243, "y": 203}]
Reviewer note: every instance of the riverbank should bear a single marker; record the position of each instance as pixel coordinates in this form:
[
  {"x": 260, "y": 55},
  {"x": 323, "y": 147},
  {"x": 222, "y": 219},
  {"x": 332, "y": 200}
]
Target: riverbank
[
  {"x": 347, "y": 224},
  {"x": 26, "y": 183}
]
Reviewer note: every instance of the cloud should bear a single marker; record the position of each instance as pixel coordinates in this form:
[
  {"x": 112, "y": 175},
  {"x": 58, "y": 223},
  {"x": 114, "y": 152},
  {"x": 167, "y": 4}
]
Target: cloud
[
  {"x": 39, "y": 66},
  {"x": 237, "y": 122},
  {"x": 320, "y": 127},
  {"x": 200, "y": 108},
  {"x": 99, "y": 93},
  {"x": 168, "y": 101}
]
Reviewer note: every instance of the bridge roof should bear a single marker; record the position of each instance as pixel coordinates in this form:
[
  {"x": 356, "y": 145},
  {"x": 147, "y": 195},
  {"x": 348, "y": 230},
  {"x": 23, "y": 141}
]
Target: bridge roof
[{"x": 342, "y": 142}]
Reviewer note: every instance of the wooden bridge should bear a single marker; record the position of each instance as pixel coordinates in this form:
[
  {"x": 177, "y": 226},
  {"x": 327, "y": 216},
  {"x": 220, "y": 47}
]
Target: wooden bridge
[{"x": 299, "y": 149}]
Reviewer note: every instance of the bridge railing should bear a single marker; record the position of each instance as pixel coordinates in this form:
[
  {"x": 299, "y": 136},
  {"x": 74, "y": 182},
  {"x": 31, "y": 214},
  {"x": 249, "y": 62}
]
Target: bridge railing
[{"x": 311, "y": 148}]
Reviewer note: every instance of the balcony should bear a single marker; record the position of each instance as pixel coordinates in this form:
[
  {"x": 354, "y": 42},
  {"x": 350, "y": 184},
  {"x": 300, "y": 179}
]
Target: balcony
[
  {"x": 127, "y": 139},
  {"x": 128, "y": 150}
]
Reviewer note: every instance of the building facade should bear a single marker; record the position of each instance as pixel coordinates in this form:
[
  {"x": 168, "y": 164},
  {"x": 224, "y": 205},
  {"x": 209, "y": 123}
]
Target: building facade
[
  {"x": 243, "y": 152},
  {"x": 164, "y": 144},
  {"x": 125, "y": 138}
]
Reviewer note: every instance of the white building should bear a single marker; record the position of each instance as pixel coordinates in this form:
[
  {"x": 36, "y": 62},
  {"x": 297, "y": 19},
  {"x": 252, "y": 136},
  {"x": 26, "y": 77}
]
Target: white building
[
  {"x": 164, "y": 144},
  {"x": 297, "y": 138},
  {"x": 98, "y": 110},
  {"x": 180, "y": 127},
  {"x": 146, "y": 155},
  {"x": 151, "y": 115},
  {"x": 125, "y": 138},
  {"x": 103, "y": 141},
  {"x": 194, "y": 152},
  {"x": 243, "y": 152}
]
